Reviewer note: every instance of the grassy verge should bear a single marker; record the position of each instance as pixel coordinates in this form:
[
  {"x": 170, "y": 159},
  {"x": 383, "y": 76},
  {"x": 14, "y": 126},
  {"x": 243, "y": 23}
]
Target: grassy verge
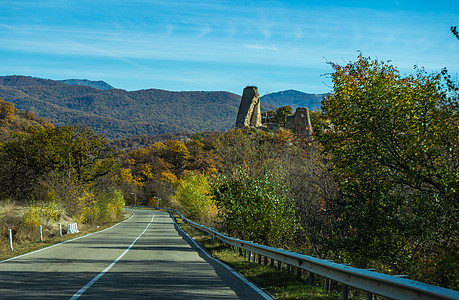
[
  {"x": 280, "y": 284},
  {"x": 22, "y": 248}
]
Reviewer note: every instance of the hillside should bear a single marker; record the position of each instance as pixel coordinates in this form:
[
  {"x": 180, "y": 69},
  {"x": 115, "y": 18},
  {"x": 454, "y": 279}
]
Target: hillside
[
  {"x": 118, "y": 113},
  {"x": 13, "y": 120},
  {"x": 101, "y": 85},
  {"x": 294, "y": 99}
]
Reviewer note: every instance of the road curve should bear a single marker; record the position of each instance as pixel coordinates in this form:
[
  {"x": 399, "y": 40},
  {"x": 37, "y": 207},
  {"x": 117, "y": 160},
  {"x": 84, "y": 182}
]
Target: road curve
[{"x": 143, "y": 257}]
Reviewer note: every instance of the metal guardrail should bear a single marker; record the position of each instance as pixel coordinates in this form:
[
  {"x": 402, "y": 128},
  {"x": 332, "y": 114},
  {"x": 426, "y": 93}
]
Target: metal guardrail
[{"x": 372, "y": 282}]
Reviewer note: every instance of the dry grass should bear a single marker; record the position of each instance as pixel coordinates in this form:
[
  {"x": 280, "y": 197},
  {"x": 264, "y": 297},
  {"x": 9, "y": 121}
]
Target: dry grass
[{"x": 26, "y": 236}]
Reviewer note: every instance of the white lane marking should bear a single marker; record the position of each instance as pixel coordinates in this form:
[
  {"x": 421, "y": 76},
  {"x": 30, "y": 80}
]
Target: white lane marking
[
  {"x": 64, "y": 242},
  {"x": 88, "y": 285},
  {"x": 245, "y": 280}
]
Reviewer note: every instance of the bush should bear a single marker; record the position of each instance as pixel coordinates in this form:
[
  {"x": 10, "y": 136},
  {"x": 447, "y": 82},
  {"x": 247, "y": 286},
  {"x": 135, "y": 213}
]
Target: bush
[
  {"x": 106, "y": 206},
  {"x": 32, "y": 217},
  {"x": 193, "y": 196},
  {"x": 255, "y": 209}
]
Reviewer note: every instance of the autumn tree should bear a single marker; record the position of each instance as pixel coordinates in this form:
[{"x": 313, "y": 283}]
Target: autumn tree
[
  {"x": 70, "y": 152},
  {"x": 6, "y": 112},
  {"x": 194, "y": 198},
  {"x": 145, "y": 174},
  {"x": 395, "y": 157}
]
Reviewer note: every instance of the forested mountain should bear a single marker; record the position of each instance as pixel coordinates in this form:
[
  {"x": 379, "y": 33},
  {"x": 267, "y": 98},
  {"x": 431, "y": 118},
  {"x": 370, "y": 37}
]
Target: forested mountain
[
  {"x": 294, "y": 99},
  {"x": 117, "y": 113},
  {"x": 101, "y": 85}
]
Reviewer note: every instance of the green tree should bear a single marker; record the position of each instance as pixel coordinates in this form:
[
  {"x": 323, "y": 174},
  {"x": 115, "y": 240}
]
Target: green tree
[
  {"x": 268, "y": 117},
  {"x": 193, "y": 195},
  {"x": 254, "y": 209},
  {"x": 72, "y": 152},
  {"x": 280, "y": 116},
  {"x": 395, "y": 156}
]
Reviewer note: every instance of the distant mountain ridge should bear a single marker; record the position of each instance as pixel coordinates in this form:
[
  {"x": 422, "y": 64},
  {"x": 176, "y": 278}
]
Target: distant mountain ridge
[
  {"x": 101, "y": 85},
  {"x": 117, "y": 113},
  {"x": 294, "y": 99}
]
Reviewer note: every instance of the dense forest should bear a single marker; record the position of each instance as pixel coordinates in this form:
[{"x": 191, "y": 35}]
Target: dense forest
[{"x": 376, "y": 185}]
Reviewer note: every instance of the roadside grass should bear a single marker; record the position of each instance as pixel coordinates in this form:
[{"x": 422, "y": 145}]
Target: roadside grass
[
  {"x": 278, "y": 283},
  {"x": 22, "y": 247}
]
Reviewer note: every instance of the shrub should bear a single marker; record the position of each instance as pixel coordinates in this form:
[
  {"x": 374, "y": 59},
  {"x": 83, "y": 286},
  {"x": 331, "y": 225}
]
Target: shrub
[
  {"x": 32, "y": 217},
  {"x": 255, "y": 209},
  {"x": 193, "y": 194}
]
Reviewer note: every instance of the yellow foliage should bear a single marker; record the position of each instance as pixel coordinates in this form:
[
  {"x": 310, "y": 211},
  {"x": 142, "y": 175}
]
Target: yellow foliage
[
  {"x": 31, "y": 217},
  {"x": 6, "y": 113},
  {"x": 193, "y": 194},
  {"x": 145, "y": 171},
  {"x": 35, "y": 216},
  {"x": 157, "y": 147},
  {"x": 168, "y": 177},
  {"x": 179, "y": 147},
  {"x": 126, "y": 176},
  {"x": 84, "y": 202}
]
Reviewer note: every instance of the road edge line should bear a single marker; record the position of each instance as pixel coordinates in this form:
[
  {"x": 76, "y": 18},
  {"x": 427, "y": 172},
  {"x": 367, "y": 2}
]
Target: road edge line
[
  {"x": 257, "y": 289},
  {"x": 64, "y": 242}
]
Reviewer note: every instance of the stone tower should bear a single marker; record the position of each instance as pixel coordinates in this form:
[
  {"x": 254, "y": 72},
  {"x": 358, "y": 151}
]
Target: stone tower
[{"x": 249, "y": 113}]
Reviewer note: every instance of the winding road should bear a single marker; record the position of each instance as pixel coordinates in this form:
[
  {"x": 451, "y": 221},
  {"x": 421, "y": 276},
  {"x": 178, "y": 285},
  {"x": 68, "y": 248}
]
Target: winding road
[{"x": 146, "y": 256}]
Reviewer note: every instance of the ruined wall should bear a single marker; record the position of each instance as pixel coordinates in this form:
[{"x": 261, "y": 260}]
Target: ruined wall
[
  {"x": 300, "y": 122},
  {"x": 249, "y": 113}
]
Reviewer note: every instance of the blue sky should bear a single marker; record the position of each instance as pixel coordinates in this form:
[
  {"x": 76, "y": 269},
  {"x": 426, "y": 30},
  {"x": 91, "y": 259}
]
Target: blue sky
[{"x": 221, "y": 45}]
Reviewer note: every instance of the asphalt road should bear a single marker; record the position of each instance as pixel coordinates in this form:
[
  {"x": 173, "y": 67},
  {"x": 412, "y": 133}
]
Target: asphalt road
[{"x": 143, "y": 257}]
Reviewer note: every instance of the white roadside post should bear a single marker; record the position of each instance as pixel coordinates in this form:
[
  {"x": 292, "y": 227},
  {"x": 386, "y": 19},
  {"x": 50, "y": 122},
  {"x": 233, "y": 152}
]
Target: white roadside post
[
  {"x": 60, "y": 229},
  {"x": 41, "y": 233},
  {"x": 11, "y": 240}
]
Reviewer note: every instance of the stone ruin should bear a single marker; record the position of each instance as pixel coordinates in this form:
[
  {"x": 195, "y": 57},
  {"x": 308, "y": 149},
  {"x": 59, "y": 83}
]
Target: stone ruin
[
  {"x": 249, "y": 113},
  {"x": 300, "y": 122}
]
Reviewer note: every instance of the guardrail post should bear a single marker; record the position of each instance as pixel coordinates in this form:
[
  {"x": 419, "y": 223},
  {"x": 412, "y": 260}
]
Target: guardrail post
[
  {"x": 345, "y": 294},
  {"x": 298, "y": 272},
  {"x": 311, "y": 278},
  {"x": 370, "y": 296},
  {"x": 272, "y": 263},
  {"x": 288, "y": 269},
  {"x": 265, "y": 260},
  {"x": 327, "y": 284},
  {"x": 259, "y": 259},
  {"x": 279, "y": 265},
  {"x": 41, "y": 234},
  {"x": 11, "y": 240}
]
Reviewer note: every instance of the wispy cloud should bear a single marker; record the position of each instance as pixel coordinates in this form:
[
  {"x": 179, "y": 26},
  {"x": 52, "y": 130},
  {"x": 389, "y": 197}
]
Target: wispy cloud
[
  {"x": 268, "y": 41},
  {"x": 261, "y": 47}
]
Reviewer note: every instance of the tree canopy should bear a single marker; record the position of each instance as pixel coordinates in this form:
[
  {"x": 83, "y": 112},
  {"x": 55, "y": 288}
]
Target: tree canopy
[
  {"x": 395, "y": 156},
  {"x": 71, "y": 152}
]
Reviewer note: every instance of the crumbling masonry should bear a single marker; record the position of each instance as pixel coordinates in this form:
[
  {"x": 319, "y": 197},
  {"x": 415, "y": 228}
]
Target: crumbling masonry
[{"x": 249, "y": 114}]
